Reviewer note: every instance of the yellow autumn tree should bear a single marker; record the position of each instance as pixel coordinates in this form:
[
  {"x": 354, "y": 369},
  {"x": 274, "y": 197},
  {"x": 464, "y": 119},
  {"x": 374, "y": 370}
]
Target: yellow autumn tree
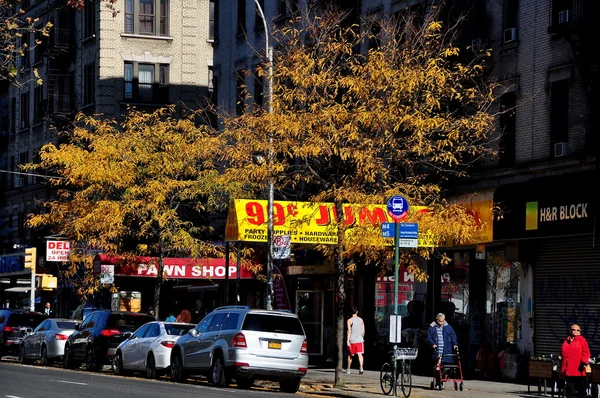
[
  {"x": 407, "y": 117},
  {"x": 130, "y": 189}
]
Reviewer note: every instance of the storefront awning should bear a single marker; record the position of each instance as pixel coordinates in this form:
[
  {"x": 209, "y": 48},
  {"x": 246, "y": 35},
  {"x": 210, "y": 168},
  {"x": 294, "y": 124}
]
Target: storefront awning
[{"x": 174, "y": 268}]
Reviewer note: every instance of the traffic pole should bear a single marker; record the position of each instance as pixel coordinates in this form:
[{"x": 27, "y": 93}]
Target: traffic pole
[{"x": 396, "y": 266}]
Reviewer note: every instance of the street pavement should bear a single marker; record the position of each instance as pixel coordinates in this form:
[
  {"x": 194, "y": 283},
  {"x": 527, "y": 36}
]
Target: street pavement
[
  {"x": 320, "y": 381},
  {"x": 20, "y": 381}
]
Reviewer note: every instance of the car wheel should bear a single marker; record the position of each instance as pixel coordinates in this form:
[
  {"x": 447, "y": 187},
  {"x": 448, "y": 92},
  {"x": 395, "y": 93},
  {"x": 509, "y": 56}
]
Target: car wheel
[
  {"x": 67, "y": 360},
  {"x": 43, "y": 356},
  {"x": 217, "y": 372},
  {"x": 117, "y": 364},
  {"x": 290, "y": 385},
  {"x": 22, "y": 359},
  {"x": 91, "y": 364},
  {"x": 243, "y": 383},
  {"x": 177, "y": 372},
  {"x": 150, "y": 367}
]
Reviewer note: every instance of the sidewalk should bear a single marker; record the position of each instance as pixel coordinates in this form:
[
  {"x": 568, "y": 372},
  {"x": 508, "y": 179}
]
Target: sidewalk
[{"x": 320, "y": 381}]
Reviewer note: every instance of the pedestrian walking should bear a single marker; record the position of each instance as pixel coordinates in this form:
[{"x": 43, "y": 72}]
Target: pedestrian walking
[
  {"x": 184, "y": 317},
  {"x": 575, "y": 359},
  {"x": 442, "y": 338},
  {"x": 355, "y": 340}
]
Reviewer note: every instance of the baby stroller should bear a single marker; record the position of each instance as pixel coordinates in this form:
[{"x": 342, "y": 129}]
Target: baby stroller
[{"x": 447, "y": 369}]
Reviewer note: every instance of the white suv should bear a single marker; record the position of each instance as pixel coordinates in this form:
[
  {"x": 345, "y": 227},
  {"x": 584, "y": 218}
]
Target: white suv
[{"x": 245, "y": 344}]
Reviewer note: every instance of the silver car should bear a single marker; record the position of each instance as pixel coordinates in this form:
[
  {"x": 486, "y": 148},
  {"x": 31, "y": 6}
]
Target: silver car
[
  {"x": 47, "y": 341},
  {"x": 245, "y": 344},
  {"x": 148, "y": 349}
]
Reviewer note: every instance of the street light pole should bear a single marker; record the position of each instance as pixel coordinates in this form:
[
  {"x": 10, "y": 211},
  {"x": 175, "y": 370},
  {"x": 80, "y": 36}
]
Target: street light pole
[{"x": 270, "y": 184}]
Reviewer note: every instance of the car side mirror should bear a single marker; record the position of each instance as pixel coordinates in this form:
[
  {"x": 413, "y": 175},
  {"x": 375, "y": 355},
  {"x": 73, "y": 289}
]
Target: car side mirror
[
  {"x": 77, "y": 326},
  {"x": 127, "y": 336},
  {"x": 193, "y": 332}
]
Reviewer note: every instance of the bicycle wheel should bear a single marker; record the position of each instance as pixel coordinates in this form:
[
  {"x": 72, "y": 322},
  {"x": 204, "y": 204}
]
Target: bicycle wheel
[
  {"x": 386, "y": 379},
  {"x": 406, "y": 380}
]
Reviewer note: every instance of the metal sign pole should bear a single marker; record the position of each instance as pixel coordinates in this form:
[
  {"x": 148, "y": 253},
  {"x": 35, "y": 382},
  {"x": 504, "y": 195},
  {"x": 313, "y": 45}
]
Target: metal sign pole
[{"x": 396, "y": 264}]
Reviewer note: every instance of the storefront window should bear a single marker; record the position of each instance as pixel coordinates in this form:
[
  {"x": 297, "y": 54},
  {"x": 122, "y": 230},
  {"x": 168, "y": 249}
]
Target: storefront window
[{"x": 503, "y": 300}]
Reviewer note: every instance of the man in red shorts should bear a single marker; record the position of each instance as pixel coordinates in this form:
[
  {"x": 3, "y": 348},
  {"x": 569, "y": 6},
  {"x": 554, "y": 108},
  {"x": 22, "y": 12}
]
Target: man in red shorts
[{"x": 356, "y": 340}]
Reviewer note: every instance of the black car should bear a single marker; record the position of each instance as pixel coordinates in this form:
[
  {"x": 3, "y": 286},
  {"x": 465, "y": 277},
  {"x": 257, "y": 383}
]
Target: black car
[
  {"x": 95, "y": 341},
  {"x": 14, "y": 325}
]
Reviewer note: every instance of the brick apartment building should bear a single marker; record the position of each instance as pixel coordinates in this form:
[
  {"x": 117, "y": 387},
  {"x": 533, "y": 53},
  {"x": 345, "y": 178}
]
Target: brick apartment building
[
  {"x": 543, "y": 57},
  {"x": 148, "y": 54}
]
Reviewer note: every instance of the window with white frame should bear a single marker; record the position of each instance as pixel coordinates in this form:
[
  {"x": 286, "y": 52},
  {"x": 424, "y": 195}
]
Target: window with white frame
[{"x": 147, "y": 17}]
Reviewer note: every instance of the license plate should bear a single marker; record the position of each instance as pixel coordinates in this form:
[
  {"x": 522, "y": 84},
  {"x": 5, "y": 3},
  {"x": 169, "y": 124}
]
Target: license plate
[{"x": 276, "y": 345}]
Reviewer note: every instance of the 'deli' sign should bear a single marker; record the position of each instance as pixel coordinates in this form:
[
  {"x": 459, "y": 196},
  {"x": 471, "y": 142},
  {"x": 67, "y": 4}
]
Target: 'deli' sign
[{"x": 57, "y": 250}]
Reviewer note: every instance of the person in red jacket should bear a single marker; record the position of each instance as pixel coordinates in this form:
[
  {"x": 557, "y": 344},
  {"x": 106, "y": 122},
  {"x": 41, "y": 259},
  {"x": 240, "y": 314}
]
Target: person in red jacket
[{"x": 575, "y": 358}]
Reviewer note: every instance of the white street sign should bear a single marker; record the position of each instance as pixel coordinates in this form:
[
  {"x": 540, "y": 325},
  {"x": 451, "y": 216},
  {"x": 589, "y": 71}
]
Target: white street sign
[{"x": 281, "y": 247}]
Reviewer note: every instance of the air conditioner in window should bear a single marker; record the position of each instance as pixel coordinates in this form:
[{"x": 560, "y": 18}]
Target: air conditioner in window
[
  {"x": 564, "y": 16},
  {"x": 510, "y": 35},
  {"x": 560, "y": 149},
  {"x": 19, "y": 182}
]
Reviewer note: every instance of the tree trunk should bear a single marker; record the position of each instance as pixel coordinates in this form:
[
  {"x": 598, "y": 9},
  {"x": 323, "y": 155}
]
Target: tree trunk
[
  {"x": 158, "y": 285},
  {"x": 341, "y": 295}
]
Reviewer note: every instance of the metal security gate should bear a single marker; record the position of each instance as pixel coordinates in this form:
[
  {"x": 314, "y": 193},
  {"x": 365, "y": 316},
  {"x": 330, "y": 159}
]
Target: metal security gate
[{"x": 567, "y": 291}]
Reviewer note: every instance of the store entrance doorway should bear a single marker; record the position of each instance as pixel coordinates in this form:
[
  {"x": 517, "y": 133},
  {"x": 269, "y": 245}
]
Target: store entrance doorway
[{"x": 309, "y": 307}]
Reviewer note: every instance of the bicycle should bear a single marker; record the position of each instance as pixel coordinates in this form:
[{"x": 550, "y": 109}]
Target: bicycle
[{"x": 403, "y": 358}]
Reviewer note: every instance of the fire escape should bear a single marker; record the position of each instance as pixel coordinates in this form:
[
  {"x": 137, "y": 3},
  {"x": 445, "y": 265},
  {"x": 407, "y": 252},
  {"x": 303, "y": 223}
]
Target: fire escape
[
  {"x": 575, "y": 21},
  {"x": 61, "y": 78}
]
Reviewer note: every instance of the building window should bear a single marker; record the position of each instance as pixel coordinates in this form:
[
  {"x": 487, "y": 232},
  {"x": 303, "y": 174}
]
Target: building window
[
  {"x": 90, "y": 18},
  {"x": 213, "y": 21},
  {"x": 24, "y": 110},
  {"x": 258, "y": 21},
  {"x": 559, "y": 112},
  {"x": 508, "y": 126},
  {"x": 22, "y": 180},
  {"x": 510, "y": 11},
  {"x": 374, "y": 26},
  {"x": 240, "y": 92},
  {"x": 39, "y": 105},
  {"x": 147, "y": 17},
  {"x": 13, "y": 115},
  {"x": 259, "y": 86},
  {"x": 89, "y": 83},
  {"x": 23, "y": 60},
  {"x": 562, "y": 12},
  {"x": 241, "y": 17},
  {"x": 41, "y": 44},
  {"x": 286, "y": 8},
  {"x": 146, "y": 83}
]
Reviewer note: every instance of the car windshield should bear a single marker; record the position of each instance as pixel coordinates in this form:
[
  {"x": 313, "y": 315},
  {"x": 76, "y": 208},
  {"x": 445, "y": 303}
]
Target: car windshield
[
  {"x": 66, "y": 325},
  {"x": 127, "y": 321},
  {"x": 273, "y": 324},
  {"x": 26, "y": 319},
  {"x": 177, "y": 330}
]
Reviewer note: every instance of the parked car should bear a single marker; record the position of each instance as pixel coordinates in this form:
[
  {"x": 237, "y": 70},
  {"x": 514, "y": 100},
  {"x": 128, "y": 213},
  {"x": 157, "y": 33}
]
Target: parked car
[
  {"x": 96, "y": 340},
  {"x": 14, "y": 326},
  {"x": 148, "y": 349},
  {"x": 245, "y": 344},
  {"x": 47, "y": 342}
]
